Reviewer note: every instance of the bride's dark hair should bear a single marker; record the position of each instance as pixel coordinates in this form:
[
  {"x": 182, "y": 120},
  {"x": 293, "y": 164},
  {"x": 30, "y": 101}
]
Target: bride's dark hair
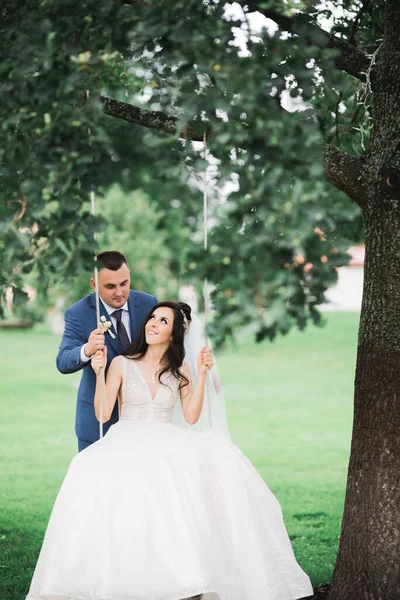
[{"x": 175, "y": 354}]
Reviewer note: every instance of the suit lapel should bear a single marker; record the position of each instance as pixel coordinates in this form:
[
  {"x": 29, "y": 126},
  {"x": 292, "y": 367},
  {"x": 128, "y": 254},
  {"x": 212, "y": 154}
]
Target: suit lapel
[{"x": 110, "y": 341}]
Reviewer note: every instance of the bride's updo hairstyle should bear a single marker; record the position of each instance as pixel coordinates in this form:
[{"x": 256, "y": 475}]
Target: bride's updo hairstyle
[{"x": 175, "y": 354}]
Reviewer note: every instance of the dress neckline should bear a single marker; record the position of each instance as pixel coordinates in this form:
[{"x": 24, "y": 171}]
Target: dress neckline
[{"x": 145, "y": 382}]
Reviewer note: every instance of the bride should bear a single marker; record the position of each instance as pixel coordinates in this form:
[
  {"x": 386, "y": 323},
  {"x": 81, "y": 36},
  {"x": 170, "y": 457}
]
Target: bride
[{"x": 165, "y": 507}]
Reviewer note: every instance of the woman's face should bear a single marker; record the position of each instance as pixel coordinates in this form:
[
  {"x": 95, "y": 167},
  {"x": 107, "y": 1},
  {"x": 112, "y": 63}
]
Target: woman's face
[{"x": 159, "y": 327}]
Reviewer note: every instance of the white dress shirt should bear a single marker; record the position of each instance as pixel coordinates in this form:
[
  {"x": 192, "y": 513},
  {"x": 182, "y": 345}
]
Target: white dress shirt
[{"x": 125, "y": 320}]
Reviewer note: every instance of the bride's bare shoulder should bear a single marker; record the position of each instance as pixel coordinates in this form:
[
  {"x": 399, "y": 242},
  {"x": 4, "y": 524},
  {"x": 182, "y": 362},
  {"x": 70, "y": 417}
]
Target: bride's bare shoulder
[
  {"x": 186, "y": 370},
  {"x": 116, "y": 367},
  {"x": 117, "y": 359}
]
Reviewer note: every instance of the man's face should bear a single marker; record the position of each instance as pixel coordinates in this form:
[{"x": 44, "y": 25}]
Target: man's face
[{"x": 114, "y": 286}]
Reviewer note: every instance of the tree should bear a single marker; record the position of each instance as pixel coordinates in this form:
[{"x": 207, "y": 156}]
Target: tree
[
  {"x": 276, "y": 242},
  {"x": 56, "y": 143}
]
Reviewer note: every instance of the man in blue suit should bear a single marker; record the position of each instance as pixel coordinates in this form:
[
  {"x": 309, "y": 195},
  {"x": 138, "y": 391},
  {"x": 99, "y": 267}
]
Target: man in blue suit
[{"x": 126, "y": 309}]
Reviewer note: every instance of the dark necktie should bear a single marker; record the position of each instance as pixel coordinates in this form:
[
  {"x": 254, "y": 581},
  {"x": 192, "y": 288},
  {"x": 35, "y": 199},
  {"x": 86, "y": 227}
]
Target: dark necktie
[{"x": 123, "y": 336}]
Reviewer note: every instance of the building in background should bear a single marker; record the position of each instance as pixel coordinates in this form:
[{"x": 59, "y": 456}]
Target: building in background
[{"x": 346, "y": 295}]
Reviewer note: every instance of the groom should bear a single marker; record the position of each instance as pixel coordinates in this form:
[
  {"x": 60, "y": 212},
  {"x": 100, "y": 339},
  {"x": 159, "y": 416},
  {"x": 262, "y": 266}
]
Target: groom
[{"x": 126, "y": 309}]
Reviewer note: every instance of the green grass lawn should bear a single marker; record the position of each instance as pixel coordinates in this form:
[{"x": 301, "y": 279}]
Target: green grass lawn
[{"x": 290, "y": 410}]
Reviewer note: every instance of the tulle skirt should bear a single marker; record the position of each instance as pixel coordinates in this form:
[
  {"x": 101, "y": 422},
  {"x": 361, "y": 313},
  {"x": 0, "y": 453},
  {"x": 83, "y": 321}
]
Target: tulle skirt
[{"x": 154, "y": 512}]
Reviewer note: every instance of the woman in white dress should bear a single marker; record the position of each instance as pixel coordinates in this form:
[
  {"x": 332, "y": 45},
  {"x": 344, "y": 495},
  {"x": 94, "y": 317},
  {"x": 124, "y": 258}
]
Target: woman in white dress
[{"x": 154, "y": 511}]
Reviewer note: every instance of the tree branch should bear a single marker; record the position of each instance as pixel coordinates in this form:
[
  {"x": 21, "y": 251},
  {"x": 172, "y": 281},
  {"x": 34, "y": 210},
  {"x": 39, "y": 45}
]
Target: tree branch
[
  {"x": 135, "y": 2},
  {"x": 351, "y": 60},
  {"x": 153, "y": 119},
  {"x": 345, "y": 172}
]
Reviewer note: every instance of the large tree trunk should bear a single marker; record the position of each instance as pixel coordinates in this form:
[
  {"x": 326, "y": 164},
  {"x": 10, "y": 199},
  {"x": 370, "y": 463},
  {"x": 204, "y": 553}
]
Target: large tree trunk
[{"x": 368, "y": 564}]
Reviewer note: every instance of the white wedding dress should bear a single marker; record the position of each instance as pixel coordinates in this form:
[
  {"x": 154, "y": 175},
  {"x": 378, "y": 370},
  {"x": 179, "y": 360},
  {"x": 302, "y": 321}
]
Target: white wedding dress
[{"x": 155, "y": 512}]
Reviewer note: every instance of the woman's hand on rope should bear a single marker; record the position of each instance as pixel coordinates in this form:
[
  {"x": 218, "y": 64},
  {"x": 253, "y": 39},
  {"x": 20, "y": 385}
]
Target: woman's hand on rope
[
  {"x": 99, "y": 360},
  {"x": 204, "y": 360}
]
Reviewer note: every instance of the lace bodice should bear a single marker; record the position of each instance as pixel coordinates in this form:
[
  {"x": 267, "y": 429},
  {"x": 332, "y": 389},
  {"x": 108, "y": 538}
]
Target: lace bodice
[{"x": 137, "y": 402}]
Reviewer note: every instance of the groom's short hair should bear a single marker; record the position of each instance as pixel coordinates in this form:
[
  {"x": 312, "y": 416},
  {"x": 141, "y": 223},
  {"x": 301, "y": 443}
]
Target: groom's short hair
[{"x": 111, "y": 259}]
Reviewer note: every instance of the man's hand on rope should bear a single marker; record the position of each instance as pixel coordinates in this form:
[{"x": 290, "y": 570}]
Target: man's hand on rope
[{"x": 95, "y": 342}]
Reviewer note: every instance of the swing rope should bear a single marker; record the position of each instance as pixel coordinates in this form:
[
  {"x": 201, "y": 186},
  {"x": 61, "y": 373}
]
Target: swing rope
[
  {"x": 97, "y": 298},
  {"x": 206, "y": 289}
]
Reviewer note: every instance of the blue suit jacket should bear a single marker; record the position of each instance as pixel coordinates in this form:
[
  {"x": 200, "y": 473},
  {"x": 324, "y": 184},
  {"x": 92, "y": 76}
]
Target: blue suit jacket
[{"x": 80, "y": 321}]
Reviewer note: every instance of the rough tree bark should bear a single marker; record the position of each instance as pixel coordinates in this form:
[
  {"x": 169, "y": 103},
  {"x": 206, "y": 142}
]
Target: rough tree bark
[{"x": 368, "y": 563}]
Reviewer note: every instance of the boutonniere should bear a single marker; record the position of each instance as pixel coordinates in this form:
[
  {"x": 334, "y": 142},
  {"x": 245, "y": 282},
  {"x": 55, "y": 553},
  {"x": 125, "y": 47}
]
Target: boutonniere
[{"x": 106, "y": 326}]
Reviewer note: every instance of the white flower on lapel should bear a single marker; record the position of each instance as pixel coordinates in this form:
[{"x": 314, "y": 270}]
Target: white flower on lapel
[{"x": 106, "y": 326}]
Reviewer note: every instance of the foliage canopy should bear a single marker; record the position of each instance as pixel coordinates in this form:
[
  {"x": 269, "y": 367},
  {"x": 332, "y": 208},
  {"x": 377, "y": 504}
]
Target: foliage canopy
[{"x": 278, "y": 237}]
